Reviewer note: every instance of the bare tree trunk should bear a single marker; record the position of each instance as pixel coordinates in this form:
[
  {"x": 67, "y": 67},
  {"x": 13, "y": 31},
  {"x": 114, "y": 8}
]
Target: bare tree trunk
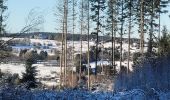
[
  {"x": 82, "y": 17},
  {"x": 129, "y": 33},
  {"x": 88, "y": 33},
  {"x": 2, "y": 8},
  {"x": 63, "y": 45},
  {"x": 102, "y": 48},
  {"x": 65, "y": 39},
  {"x": 60, "y": 70},
  {"x": 80, "y": 57},
  {"x": 121, "y": 33},
  {"x": 62, "y": 12},
  {"x": 97, "y": 40},
  {"x": 73, "y": 42},
  {"x": 114, "y": 47},
  {"x": 112, "y": 39},
  {"x": 159, "y": 33},
  {"x": 62, "y": 74},
  {"x": 142, "y": 27},
  {"x": 150, "y": 46},
  {"x": 1, "y": 26}
]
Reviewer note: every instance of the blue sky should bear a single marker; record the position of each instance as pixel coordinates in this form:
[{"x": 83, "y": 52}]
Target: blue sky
[{"x": 19, "y": 9}]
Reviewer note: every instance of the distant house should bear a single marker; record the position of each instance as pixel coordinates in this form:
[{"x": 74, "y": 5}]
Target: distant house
[
  {"x": 40, "y": 36},
  {"x": 99, "y": 63},
  {"x": 43, "y": 36}
]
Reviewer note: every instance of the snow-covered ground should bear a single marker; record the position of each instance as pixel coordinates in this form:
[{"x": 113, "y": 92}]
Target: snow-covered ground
[
  {"x": 53, "y": 44},
  {"x": 13, "y": 68},
  {"x": 49, "y": 72},
  {"x": 56, "y": 45},
  {"x": 6, "y": 93}
]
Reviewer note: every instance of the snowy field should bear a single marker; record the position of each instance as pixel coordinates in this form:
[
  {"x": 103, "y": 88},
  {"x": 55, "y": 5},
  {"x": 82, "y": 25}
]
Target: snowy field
[
  {"x": 57, "y": 44},
  {"x": 13, "y": 68},
  {"x": 49, "y": 72}
]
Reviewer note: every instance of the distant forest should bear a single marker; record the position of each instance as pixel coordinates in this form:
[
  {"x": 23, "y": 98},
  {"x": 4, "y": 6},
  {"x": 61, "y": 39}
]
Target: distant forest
[{"x": 58, "y": 36}]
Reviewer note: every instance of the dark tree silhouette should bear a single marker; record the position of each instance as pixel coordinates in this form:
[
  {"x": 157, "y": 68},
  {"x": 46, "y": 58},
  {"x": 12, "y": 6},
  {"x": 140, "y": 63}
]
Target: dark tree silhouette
[{"x": 29, "y": 77}]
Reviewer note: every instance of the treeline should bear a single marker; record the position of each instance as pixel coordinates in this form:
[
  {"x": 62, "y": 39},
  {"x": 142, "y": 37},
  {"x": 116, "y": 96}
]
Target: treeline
[{"x": 58, "y": 36}]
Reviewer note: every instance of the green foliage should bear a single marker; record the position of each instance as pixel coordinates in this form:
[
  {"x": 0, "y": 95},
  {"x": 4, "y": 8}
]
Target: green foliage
[
  {"x": 43, "y": 55},
  {"x": 96, "y": 7},
  {"x": 22, "y": 52},
  {"x": 117, "y": 55},
  {"x": 29, "y": 76},
  {"x": 4, "y": 54},
  {"x": 111, "y": 13},
  {"x": 136, "y": 58},
  {"x": 3, "y": 17},
  {"x": 152, "y": 73},
  {"x": 107, "y": 54},
  {"x": 77, "y": 62},
  {"x": 8, "y": 78},
  {"x": 32, "y": 55},
  {"x": 4, "y": 51},
  {"x": 164, "y": 42}
]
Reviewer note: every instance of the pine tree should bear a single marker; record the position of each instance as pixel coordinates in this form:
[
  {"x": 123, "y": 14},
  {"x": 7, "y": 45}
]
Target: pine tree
[
  {"x": 60, "y": 19},
  {"x": 81, "y": 33},
  {"x": 29, "y": 76},
  {"x": 131, "y": 19},
  {"x": 112, "y": 26},
  {"x": 160, "y": 5},
  {"x": 96, "y": 7},
  {"x": 5, "y": 50},
  {"x": 43, "y": 55},
  {"x": 147, "y": 13},
  {"x": 65, "y": 30},
  {"x": 3, "y": 17},
  {"x": 152, "y": 10},
  {"x": 164, "y": 42},
  {"x": 74, "y": 3},
  {"x": 123, "y": 15},
  {"x": 73, "y": 16},
  {"x": 141, "y": 25},
  {"x": 130, "y": 5},
  {"x": 63, "y": 12},
  {"x": 87, "y": 28}
]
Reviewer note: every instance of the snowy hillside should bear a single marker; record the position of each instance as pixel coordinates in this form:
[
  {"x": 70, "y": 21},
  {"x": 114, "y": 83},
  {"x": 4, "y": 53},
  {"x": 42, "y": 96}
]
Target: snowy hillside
[{"x": 57, "y": 44}]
